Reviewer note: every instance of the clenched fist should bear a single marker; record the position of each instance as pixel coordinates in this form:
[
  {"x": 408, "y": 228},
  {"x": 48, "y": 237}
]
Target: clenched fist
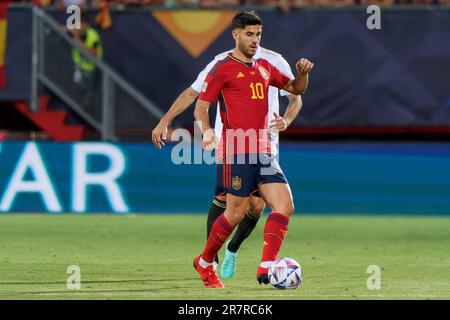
[{"x": 304, "y": 66}]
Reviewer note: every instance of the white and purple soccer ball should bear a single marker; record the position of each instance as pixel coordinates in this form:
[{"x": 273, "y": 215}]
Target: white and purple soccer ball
[{"x": 285, "y": 273}]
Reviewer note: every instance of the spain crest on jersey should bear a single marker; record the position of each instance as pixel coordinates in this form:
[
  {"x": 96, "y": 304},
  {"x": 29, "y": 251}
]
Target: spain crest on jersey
[
  {"x": 237, "y": 183},
  {"x": 264, "y": 73}
]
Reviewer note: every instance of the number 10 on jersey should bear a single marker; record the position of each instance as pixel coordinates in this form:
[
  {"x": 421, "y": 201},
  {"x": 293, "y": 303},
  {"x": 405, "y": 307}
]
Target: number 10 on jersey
[{"x": 257, "y": 90}]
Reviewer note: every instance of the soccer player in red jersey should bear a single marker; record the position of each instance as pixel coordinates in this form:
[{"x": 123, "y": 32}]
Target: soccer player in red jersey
[
  {"x": 218, "y": 205},
  {"x": 241, "y": 83}
]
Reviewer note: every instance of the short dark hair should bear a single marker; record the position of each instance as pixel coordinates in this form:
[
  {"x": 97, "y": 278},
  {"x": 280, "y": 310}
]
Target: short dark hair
[{"x": 245, "y": 18}]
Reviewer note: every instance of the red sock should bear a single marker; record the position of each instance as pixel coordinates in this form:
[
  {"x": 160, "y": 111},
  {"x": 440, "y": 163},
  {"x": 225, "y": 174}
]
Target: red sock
[
  {"x": 274, "y": 232},
  {"x": 220, "y": 231}
]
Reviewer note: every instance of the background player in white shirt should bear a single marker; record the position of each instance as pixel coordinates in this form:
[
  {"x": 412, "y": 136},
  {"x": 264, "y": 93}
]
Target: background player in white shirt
[{"x": 276, "y": 124}]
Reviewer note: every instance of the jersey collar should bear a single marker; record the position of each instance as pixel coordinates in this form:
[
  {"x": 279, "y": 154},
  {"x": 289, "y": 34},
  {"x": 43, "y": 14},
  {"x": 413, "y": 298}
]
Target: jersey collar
[{"x": 247, "y": 64}]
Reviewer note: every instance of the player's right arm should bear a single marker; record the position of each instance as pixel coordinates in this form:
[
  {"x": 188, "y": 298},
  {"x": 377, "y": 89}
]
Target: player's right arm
[{"x": 183, "y": 101}]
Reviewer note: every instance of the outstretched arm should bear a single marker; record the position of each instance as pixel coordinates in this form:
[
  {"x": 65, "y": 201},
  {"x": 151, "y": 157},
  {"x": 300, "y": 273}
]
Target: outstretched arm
[{"x": 182, "y": 102}]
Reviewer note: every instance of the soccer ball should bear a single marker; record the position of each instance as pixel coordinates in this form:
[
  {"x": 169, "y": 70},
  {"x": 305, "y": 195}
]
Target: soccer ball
[{"x": 285, "y": 273}]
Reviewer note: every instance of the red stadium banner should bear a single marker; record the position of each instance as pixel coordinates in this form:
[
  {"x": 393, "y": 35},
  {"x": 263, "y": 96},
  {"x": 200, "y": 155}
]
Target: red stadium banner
[{"x": 3, "y": 31}]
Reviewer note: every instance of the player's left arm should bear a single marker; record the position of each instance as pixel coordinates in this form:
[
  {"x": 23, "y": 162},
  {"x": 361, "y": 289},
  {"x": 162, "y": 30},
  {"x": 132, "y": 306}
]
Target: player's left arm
[
  {"x": 300, "y": 83},
  {"x": 295, "y": 102},
  {"x": 294, "y": 107}
]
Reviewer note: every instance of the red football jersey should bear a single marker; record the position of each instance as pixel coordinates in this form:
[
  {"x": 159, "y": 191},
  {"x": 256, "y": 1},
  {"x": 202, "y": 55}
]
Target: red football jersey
[{"x": 242, "y": 91}]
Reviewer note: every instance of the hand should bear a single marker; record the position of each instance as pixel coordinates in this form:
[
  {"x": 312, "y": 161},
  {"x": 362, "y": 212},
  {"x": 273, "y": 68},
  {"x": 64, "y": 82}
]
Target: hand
[
  {"x": 159, "y": 134},
  {"x": 209, "y": 140},
  {"x": 278, "y": 123},
  {"x": 304, "y": 66}
]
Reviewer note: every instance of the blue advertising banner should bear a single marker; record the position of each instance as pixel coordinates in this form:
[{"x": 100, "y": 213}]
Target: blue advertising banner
[{"x": 124, "y": 178}]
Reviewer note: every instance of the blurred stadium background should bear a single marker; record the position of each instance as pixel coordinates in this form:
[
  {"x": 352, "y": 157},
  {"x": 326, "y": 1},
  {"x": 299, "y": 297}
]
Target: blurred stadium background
[{"x": 372, "y": 137}]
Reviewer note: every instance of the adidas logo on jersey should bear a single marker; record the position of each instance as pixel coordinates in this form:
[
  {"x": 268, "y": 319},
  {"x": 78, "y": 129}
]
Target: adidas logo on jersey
[{"x": 240, "y": 75}]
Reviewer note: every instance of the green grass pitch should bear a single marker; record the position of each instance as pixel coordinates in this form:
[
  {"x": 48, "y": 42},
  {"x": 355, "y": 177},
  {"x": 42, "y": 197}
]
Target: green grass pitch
[{"x": 150, "y": 257}]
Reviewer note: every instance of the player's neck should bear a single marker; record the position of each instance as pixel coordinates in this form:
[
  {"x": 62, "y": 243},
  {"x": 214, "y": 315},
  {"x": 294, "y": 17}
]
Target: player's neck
[{"x": 240, "y": 56}]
